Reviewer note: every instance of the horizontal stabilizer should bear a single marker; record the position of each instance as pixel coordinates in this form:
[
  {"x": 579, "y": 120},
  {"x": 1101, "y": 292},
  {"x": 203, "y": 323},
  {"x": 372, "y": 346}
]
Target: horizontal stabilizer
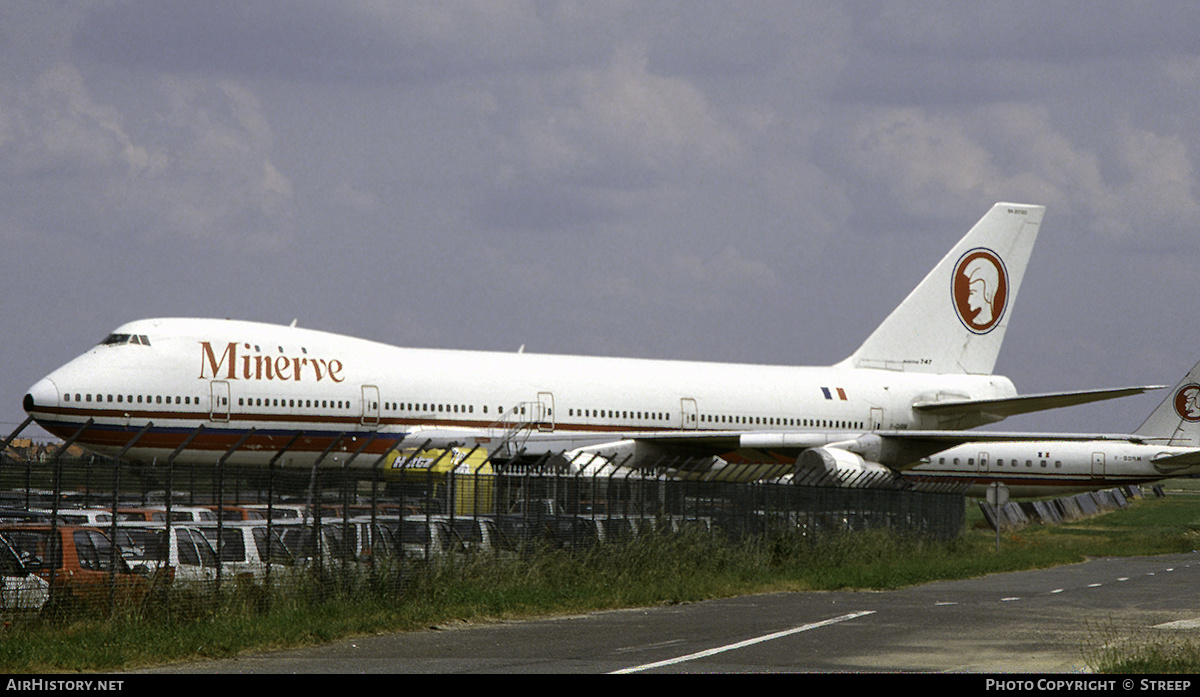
[
  {"x": 1174, "y": 463},
  {"x": 999, "y": 409}
]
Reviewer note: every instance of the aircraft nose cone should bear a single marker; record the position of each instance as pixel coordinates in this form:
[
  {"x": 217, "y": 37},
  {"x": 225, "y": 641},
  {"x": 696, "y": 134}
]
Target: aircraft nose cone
[{"x": 44, "y": 393}]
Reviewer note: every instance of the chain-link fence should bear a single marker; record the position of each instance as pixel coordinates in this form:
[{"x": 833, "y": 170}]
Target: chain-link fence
[{"x": 93, "y": 530}]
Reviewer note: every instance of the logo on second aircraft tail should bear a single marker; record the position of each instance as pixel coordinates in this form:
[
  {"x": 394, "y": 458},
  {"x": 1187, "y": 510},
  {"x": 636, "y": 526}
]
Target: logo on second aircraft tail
[
  {"x": 979, "y": 289},
  {"x": 1187, "y": 402}
]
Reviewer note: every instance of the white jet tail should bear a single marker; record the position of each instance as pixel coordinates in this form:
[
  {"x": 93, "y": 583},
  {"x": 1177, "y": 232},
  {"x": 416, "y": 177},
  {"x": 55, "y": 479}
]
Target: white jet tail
[
  {"x": 1177, "y": 420},
  {"x": 955, "y": 319}
]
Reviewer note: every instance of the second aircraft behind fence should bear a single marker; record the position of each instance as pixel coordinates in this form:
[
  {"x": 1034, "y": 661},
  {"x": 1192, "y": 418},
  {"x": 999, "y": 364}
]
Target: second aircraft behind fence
[
  {"x": 1165, "y": 446},
  {"x": 199, "y": 391}
]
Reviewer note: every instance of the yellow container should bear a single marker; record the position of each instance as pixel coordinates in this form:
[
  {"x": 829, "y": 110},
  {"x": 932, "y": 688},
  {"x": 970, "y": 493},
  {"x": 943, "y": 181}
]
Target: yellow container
[{"x": 464, "y": 478}]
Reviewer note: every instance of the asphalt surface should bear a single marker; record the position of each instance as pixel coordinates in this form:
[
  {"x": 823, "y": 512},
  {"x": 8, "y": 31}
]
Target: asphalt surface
[{"x": 1043, "y": 621}]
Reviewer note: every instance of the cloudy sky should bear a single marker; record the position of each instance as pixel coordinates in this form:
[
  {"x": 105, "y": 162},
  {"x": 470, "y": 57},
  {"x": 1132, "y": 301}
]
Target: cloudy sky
[{"x": 734, "y": 181}]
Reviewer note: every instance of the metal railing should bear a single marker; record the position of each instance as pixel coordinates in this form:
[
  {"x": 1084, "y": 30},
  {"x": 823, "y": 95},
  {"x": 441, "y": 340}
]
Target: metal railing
[{"x": 411, "y": 508}]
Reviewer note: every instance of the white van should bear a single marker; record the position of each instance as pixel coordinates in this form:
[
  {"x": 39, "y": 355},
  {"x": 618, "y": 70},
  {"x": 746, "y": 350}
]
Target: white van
[
  {"x": 420, "y": 537},
  {"x": 244, "y": 548},
  {"x": 81, "y": 516},
  {"x": 480, "y": 535},
  {"x": 149, "y": 547}
]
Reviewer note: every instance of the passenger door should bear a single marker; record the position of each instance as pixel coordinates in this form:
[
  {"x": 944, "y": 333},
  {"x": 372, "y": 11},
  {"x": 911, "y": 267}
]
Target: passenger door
[
  {"x": 370, "y": 405},
  {"x": 545, "y": 412},
  {"x": 689, "y": 414},
  {"x": 219, "y": 406}
]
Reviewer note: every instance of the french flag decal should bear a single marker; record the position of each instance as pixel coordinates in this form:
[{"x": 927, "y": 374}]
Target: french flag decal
[{"x": 841, "y": 394}]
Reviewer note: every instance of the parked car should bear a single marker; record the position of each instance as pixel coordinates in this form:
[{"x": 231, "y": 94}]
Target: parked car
[
  {"x": 480, "y": 535},
  {"x": 154, "y": 547},
  {"x": 617, "y": 528},
  {"x": 573, "y": 532},
  {"x": 194, "y": 514},
  {"x": 9, "y": 514},
  {"x": 82, "y": 516},
  {"x": 366, "y": 539},
  {"x": 77, "y": 562},
  {"x": 19, "y": 588},
  {"x": 307, "y": 546},
  {"x": 682, "y": 523},
  {"x": 278, "y": 511},
  {"x": 234, "y": 513},
  {"x": 246, "y": 548},
  {"x": 154, "y": 515},
  {"x": 429, "y": 537},
  {"x": 522, "y": 530},
  {"x": 419, "y": 537}
]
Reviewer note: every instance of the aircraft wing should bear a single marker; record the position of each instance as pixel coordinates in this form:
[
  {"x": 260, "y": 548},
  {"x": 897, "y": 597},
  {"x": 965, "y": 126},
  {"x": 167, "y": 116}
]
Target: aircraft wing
[
  {"x": 895, "y": 449},
  {"x": 1002, "y": 408}
]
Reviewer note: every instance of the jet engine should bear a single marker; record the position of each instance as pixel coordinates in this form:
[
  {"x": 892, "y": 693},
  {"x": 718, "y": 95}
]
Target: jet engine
[
  {"x": 847, "y": 468},
  {"x": 593, "y": 465}
]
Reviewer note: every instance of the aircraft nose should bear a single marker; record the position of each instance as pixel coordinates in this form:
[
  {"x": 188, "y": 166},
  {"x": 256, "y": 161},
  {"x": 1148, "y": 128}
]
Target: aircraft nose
[{"x": 44, "y": 393}]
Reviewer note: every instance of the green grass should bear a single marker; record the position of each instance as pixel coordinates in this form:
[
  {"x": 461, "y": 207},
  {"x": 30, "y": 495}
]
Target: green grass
[
  {"x": 1143, "y": 651},
  {"x": 652, "y": 571}
]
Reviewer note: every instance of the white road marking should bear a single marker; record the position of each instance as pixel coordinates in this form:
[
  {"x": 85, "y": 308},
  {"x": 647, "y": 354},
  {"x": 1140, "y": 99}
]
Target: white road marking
[{"x": 742, "y": 644}]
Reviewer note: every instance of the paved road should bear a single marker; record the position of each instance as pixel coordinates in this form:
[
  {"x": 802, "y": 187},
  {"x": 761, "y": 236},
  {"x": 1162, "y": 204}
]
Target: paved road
[{"x": 1035, "y": 621}]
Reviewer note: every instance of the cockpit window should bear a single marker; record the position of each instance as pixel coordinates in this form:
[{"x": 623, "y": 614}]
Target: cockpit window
[{"x": 117, "y": 339}]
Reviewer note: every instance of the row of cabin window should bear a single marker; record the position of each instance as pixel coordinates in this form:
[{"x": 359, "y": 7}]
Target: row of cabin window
[
  {"x": 189, "y": 400},
  {"x": 430, "y": 408},
  {"x": 1000, "y": 462},
  {"x": 779, "y": 421},
  {"x": 122, "y": 399},
  {"x": 638, "y": 415},
  {"x": 448, "y": 408},
  {"x": 614, "y": 414},
  {"x": 258, "y": 401},
  {"x": 291, "y": 403},
  {"x": 1029, "y": 463}
]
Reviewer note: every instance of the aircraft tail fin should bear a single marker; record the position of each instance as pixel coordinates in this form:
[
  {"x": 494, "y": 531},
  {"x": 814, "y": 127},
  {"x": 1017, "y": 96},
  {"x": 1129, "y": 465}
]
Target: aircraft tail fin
[
  {"x": 954, "y": 321},
  {"x": 1177, "y": 419}
]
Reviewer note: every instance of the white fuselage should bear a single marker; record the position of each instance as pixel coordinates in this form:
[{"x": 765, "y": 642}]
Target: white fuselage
[
  {"x": 220, "y": 381},
  {"x": 1049, "y": 467}
]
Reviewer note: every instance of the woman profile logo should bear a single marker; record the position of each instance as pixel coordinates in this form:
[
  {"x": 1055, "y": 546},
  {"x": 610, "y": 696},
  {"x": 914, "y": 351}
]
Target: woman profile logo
[
  {"x": 1187, "y": 402},
  {"x": 979, "y": 288}
]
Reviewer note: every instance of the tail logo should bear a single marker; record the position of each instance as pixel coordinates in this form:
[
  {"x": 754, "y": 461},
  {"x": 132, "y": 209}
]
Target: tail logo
[
  {"x": 1187, "y": 402},
  {"x": 979, "y": 289}
]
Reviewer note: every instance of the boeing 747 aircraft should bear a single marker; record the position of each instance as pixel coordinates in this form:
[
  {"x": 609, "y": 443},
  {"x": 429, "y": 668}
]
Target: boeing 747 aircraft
[{"x": 199, "y": 390}]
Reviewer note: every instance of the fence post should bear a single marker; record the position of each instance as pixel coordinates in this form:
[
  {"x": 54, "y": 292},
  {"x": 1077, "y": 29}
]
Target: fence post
[
  {"x": 114, "y": 552},
  {"x": 221, "y": 502}
]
